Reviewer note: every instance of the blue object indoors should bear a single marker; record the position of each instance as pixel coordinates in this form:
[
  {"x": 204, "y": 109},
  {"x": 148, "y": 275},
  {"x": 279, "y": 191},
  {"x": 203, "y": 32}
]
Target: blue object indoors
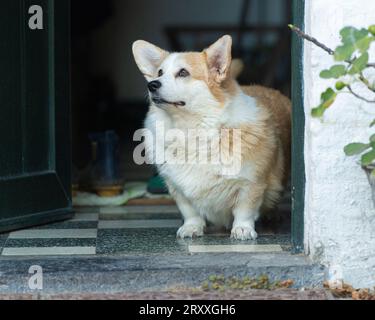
[
  {"x": 104, "y": 169},
  {"x": 156, "y": 185}
]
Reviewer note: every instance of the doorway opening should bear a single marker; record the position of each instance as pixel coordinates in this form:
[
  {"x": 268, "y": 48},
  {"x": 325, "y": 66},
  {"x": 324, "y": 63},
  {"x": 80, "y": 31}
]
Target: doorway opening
[{"x": 109, "y": 103}]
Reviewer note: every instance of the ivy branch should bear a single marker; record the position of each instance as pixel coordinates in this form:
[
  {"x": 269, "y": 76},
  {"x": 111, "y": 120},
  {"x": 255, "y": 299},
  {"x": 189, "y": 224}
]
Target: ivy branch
[
  {"x": 350, "y": 62},
  {"x": 305, "y": 36},
  {"x": 353, "y": 58}
]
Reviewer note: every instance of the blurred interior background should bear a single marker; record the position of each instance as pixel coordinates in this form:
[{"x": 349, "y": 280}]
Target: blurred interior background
[{"x": 109, "y": 92}]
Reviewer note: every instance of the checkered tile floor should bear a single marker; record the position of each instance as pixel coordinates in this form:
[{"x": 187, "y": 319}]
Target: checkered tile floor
[{"x": 127, "y": 230}]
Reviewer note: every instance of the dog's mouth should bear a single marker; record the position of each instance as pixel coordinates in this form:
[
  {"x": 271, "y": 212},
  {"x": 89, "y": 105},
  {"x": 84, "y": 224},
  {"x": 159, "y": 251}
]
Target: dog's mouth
[{"x": 162, "y": 101}]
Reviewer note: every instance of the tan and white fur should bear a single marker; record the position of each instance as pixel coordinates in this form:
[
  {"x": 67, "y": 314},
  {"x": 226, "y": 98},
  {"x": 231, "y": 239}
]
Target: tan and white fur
[{"x": 199, "y": 90}]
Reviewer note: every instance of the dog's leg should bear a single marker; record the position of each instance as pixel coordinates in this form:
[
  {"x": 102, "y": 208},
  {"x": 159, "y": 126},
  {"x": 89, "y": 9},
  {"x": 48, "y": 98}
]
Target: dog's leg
[
  {"x": 194, "y": 224},
  {"x": 246, "y": 212}
]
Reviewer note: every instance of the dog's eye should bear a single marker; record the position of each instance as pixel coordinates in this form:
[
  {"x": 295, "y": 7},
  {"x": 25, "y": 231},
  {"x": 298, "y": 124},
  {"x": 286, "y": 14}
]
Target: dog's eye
[
  {"x": 183, "y": 73},
  {"x": 160, "y": 74}
]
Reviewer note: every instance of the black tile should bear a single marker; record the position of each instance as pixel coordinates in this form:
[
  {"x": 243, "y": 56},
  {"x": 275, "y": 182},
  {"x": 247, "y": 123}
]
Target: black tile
[
  {"x": 158, "y": 241},
  {"x": 86, "y": 209},
  {"x": 139, "y": 241},
  {"x": 142, "y": 232},
  {"x": 139, "y": 216},
  {"x": 28, "y": 243},
  {"x": 70, "y": 225}
]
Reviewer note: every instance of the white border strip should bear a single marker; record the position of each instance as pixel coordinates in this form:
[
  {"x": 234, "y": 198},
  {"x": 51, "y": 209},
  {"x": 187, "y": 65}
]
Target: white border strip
[
  {"x": 54, "y": 234},
  {"x": 49, "y": 251},
  {"x": 234, "y": 248}
]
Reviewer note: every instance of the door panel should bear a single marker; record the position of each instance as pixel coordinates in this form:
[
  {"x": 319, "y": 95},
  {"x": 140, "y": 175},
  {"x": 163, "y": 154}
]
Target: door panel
[
  {"x": 298, "y": 132},
  {"x": 38, "y": 94},
  {"x": 10, "y": 91},
  {"x": 35, "y": 133}
]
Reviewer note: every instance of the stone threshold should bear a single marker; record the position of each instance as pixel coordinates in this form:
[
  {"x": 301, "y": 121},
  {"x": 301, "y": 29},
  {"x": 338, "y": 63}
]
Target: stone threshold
[{"x": 128, "y": 274}]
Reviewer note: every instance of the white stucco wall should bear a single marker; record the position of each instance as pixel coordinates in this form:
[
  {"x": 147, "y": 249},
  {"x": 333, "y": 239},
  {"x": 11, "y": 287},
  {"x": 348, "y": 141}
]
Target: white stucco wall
[{"x": 339, "y": 214}]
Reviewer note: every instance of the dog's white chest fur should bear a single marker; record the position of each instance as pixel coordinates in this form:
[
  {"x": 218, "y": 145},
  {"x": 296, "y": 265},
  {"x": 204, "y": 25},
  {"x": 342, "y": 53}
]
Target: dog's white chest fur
[{"x": 211, "y": 193}]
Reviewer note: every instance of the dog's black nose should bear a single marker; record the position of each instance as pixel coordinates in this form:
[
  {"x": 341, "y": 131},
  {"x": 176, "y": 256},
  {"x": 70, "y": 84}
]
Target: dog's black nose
[{"x": 154, "y": 86}]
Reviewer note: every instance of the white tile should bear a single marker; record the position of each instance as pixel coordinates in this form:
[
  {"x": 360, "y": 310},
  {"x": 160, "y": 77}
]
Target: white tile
[
  {"x": 234, "y": 248},
  {"x": 85, "y": 217},
  {"x": 54, "y": 234},
  {"x": 135, "y": 224},
  {"x": 50, "y": 251}
]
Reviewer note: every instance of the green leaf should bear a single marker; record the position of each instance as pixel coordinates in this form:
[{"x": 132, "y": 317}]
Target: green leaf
[
  {"x": 327, "y": 99},
  {"x": 364, "y": 44},
  {"x": 344, "y": 52},
  {"x": 325, "y": 74},
  {"x": 328, "y": 103},
  {"x": 334, "y": 72},
  {"x": 359, "y": 64},
  {"x": 368, "y": 158},
  {"x": 372, "y": 123},
  {"x": 328, "y": 94},
  {"x": 355, "y": 148},
  {"x": 318, "y": 111},
  {"x": 351, "y": 35},
  {"x": 371, "y": 29},
  {"x": 372, "y": 138},
  {"x": 352, "y": 39},
  {"x": 340, "y": 85}
]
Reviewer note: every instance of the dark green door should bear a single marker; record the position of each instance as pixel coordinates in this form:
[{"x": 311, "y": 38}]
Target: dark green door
[
  {"x": 298, "y": 132},
  {"x": 35, "y": 162}
]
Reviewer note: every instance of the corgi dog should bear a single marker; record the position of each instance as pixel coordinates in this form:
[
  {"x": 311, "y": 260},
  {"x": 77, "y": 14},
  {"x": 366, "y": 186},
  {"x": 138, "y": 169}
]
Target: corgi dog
[{"x": 199, "y": 91}]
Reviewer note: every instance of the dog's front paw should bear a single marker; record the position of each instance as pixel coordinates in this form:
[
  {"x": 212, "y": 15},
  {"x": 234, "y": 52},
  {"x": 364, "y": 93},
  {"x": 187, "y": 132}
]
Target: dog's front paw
[
  {"x": 244, "y": 233},
  {"x": 190, "y": 231}
]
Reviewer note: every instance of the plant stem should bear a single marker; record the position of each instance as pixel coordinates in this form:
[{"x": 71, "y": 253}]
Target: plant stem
[
  {"x": 362, "y": 78},
  {"x": 305, "y": 36},
  {"x": 359, "y": 96},
  {"x": 366, "y": 82}
]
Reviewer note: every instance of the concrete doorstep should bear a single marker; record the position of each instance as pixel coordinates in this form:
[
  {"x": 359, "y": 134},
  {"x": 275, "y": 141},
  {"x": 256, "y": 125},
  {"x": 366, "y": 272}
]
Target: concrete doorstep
[{"x": 164, "y": 276}]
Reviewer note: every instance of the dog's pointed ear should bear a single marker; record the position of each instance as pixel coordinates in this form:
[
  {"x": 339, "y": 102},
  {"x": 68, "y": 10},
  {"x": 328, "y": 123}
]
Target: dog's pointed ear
[
  {"x": 148, "y": 57},
  {"x": 219, "y": 58}
]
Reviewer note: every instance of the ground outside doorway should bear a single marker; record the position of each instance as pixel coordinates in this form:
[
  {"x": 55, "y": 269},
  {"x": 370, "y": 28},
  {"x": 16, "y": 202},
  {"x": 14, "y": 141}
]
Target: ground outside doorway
[{"x": 132, "y": 252}]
